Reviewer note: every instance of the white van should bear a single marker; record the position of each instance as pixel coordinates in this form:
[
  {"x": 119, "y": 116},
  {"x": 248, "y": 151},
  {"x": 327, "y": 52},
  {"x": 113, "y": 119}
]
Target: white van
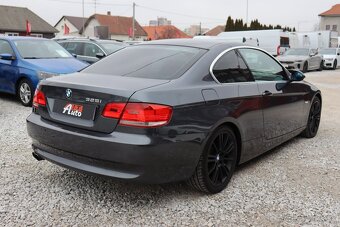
[
  {"x": 244, "y": 40},
  {"x": 274, "y": 41}
]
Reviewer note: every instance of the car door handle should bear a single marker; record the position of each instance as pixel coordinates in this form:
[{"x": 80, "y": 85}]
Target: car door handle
[{"x": 266, "y": 93}]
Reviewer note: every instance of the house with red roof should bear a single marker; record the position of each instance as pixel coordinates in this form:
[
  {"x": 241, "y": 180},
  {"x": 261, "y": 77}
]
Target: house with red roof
[
  {"x": 330, "y": 19},
  {"x": 69, "y": 25},
  {"x": 215, "y": 31},
  {"x": 164, "y": 32},
  {"x": 112, "y": 27}
]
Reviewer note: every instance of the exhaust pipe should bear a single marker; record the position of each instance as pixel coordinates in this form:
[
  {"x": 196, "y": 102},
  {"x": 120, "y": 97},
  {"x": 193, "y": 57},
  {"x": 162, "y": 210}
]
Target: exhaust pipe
[{"x": 36, "y": 156}]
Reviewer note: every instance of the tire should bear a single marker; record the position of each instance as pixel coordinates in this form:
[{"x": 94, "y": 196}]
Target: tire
[
  {"x": 305, "y": 67},
  {"x": 321, "y": 66},
  {"x": 25, "y": 92},
  {"x": 313, "y": 119},
  {"x": 335, "y": 64},
  {"x": 217, "y": 162}
]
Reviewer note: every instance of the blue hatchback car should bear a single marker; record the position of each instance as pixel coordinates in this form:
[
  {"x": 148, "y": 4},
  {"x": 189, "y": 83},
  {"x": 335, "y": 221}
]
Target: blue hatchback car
[{"x": 24, "y": 61}]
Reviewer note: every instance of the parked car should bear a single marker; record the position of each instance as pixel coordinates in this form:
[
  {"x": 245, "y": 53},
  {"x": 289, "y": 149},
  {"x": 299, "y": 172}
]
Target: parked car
[
  {"x": 24, "y": 61},
  {"x": 331, "y": 57},
  {"x": 90, "y": 50},
  {"x": 172, "y": 110},
  {"x": 303, "y": 59}
]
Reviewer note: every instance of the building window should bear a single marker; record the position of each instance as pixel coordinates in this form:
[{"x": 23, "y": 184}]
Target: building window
[
  {"x": 11, "y": 34},
  {"x": 328, "y": 27},
  {"x": 37, "y": 35},
  {"x": 335, "y": 28}
]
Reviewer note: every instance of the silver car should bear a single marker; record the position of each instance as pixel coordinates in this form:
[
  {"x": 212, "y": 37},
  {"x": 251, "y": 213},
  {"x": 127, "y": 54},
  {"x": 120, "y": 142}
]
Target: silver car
[
  {"x": 331, "y": 58},
  {"x": 303, "y": 59}
]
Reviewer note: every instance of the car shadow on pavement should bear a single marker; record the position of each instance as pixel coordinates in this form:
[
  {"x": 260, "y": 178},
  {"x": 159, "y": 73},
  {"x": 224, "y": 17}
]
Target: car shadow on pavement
[
  {"x": 120, "y": 193},
  {"x": 9, "y": 97},
  {"x": 263, "y": 157}
]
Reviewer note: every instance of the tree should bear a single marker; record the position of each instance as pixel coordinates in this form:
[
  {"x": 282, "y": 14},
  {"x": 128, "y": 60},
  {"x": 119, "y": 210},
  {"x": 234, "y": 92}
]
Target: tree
[
  {"x": 238, "y": 25},
  {"x": 230, "y": 26}
]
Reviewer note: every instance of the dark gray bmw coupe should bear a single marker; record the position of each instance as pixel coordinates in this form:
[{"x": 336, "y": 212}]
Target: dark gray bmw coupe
[{"x": 172, "y": 110}]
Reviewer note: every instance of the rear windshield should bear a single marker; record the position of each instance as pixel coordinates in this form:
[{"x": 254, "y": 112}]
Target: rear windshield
[{"x": 147, "y": 61}]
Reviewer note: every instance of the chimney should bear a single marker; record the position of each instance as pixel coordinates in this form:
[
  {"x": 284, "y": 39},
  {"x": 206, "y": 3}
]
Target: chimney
[{"x": 109, "y": 13}]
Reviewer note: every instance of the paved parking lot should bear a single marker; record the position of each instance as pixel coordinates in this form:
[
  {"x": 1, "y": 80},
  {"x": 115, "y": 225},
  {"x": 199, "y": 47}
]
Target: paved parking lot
[{"x": 295, "y": 184}]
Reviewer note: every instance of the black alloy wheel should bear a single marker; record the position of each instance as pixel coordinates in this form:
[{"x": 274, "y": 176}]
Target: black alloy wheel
[
  {"x": 321, "y": 66},
  {"x": 313, "y": 119},
  {"x": 305, "y": 67},
  {"x": 217, "y": 163}
]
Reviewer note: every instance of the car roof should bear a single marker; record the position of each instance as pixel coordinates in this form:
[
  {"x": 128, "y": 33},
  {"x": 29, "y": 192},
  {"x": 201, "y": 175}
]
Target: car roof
[
  {"x": 21, "y": 38},
  {"x": 85, "y": 39},
  {"x": 197, "y": 43}
]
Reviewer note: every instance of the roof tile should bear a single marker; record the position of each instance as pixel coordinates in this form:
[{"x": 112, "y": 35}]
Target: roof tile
[
  {"x": 334, "y": 11},
  {"x": 14, "y": 19},
  {"x": 164, "y": 32}
]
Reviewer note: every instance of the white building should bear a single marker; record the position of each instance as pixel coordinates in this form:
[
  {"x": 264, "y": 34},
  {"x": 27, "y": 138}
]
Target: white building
[
  {"x": 330, "y": 20},
  {"x": 160, "y": 22},
  {"x": 112, "y": 27},
  {"x": 68, "y": 25}
]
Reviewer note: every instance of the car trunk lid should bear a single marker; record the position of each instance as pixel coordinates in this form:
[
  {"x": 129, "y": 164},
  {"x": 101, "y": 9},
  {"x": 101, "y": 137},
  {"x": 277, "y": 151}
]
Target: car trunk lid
[{"x": 78, "y": 100}]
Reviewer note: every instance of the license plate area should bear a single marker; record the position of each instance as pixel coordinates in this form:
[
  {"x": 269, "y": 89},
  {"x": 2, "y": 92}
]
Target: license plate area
[{"x": 75, "y": 110}]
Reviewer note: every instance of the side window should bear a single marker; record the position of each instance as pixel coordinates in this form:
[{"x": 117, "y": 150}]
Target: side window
[
  {"x": 5, "y": 48},
  {"x": 262, "y": 66},
  {"x": 63, "y": 44},
  {"x": 230, "y": 69},
  {"x": 75, "y": 48},
  {"x": 91, "y": 50}
]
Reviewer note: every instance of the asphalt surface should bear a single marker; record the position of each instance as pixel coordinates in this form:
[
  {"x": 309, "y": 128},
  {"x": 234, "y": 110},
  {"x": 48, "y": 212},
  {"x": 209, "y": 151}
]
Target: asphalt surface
[{"x": 296, "y": 184}]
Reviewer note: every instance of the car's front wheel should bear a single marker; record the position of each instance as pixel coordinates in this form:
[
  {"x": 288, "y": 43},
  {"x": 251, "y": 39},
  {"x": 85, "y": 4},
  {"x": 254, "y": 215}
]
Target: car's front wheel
[
  {"x": 217, "y": 162},
  {"x": 335, "y": 64},
  {"x": 305, "y": 67},
  {"x": 313, "y": 119},
  {"x": 25, "y": 92}
]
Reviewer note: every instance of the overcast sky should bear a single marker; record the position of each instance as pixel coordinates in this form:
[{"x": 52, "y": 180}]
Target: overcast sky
[{"x": 302, "y": 14}]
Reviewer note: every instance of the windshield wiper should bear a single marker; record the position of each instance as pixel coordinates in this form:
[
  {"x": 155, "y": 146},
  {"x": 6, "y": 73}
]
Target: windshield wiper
[{"x": 31, "y": 58}]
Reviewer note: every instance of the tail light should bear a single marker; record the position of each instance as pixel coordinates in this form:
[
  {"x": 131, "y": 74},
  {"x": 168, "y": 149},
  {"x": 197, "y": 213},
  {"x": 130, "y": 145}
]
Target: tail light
[
  {"x": 39, "y": 98},
  {"x": 139, "y": 114}
]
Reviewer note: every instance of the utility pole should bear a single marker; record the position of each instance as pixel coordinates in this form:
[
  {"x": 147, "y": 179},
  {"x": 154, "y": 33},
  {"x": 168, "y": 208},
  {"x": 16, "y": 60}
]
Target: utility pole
[
  {"x": 83, "y": 18},
  {"x": 247, "y": 12},
  {"x": 200, "y": 28},
  {"x": 95, "y": 6},
  {"x": 133, "y": 21}
]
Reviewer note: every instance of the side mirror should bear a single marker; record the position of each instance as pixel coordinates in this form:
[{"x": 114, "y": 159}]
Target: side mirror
[
  {"x": 74, "y": 55},
  {"x": 100, "y": 55},
  {"x": 339, "y": 54},
  {"x": 8, "y": 57},
  {"x": 296, "y": 75}
]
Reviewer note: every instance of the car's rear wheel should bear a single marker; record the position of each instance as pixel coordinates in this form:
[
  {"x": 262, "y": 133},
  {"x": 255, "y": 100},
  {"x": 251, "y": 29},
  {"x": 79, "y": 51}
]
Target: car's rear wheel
[
  {"x": 305, "y": 67},
  {"x": 25, "y": 92},
  {"x": 313, "y": 119},
  {"x": 217, "y": 162},
  {"x": 321, "y": 66},
  {"x": 335, "y": 64}
]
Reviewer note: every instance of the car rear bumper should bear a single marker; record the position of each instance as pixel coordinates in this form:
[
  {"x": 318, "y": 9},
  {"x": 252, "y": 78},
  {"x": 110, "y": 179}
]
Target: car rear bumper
[{"x": 142, "y": 158}]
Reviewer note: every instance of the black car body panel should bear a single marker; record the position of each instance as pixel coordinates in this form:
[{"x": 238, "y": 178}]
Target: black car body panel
[{"x": 263, "y": 115}]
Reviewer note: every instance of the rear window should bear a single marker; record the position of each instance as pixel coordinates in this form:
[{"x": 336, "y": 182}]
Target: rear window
[{"x": 148, "y": 61}]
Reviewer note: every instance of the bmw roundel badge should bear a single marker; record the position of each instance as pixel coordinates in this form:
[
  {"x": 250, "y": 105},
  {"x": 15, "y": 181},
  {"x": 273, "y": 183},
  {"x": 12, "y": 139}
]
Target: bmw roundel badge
[{"x": 68, "y": 93}]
